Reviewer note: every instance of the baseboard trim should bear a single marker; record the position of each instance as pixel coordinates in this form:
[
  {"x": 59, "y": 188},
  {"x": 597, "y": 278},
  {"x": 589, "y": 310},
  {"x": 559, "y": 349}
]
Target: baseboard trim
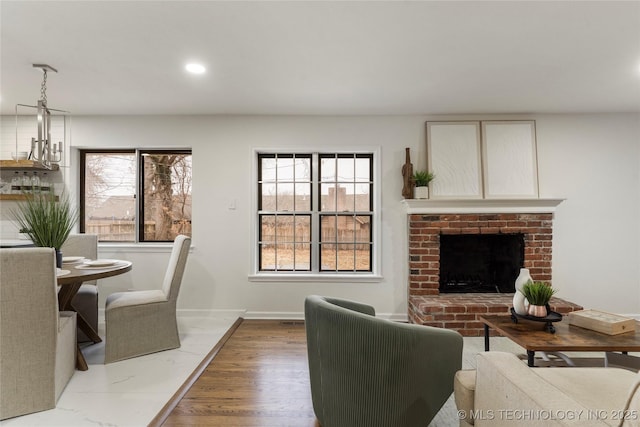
[{"x": 288, "y": 315}]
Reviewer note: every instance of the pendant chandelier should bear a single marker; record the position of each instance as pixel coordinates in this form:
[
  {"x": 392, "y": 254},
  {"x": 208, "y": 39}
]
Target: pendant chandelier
[{"x": 44, "y": 152}]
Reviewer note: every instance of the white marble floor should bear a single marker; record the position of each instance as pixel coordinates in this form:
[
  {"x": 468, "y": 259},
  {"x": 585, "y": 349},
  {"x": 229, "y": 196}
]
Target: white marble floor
[{"x": 131, "y": 392}]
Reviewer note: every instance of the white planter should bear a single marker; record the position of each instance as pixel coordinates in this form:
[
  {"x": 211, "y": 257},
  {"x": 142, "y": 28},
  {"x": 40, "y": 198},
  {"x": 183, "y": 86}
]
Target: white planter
[
  {"x": 522, "y": 278},
  {"x": 421, "y": 192},
  {"x": 520, "y": 303}
]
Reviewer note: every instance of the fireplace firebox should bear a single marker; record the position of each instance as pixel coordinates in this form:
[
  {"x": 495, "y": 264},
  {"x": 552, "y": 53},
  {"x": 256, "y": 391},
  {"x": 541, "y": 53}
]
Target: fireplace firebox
[{"x": 480, "y": 263}]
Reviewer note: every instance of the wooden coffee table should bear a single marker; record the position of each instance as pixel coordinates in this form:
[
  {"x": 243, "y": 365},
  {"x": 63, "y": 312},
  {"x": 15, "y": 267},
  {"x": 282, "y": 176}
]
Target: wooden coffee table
[{"x": 533, "y": 336}]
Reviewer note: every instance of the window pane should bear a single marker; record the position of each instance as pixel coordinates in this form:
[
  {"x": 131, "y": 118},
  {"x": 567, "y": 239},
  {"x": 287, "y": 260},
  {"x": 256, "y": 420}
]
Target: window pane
[
  {"x": 328, "y": 257},
  {"x": 345, "y": 170},
  {"x": 303, "y": 229},
  {"x": 285, "y": 169},
  {"x": 363, "y": 170},
  {"x": 303, "y": 197},
  {"x": 328, "y": 169},
  {"x": 303, "y": 169},
  {"x": 284, "y": 229},
  {"x": 363, "y": 257},
  {"x": 362, "y": 228},
  {"x": 166, "y": 195},
  {"x": 267, "y": 228},
  {"x": 268, "y": 199},
  {"x": 267, "y": 257},
  {"x": 346, "y": 229},
  {"x": 328, "y": 228},
  {"x": 267, "y": 169},
  {"x": 284, "y": 197},
  {"x": 346, "y": 257},
  {"x": 109, "y": 196},
  {"x": 346, "y": 200},
  {"x": 363, "y": 197},
  {"x": 303, "y": 257}
]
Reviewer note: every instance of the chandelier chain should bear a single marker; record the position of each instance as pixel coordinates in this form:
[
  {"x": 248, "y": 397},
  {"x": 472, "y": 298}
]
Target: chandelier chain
[{"x": 43, "y": 87}]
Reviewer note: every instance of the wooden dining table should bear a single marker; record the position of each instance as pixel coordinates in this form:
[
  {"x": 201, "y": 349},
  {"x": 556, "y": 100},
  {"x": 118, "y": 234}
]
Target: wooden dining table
[{"x": 70, "y": 279}]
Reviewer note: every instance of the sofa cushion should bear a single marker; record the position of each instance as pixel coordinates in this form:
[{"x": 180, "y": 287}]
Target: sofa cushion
[{"x": 602, "y": 389}]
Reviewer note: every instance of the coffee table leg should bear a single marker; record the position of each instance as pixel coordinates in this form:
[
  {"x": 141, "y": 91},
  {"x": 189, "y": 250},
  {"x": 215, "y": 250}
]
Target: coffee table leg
[
  {"x": 486, "y": 337},
  {"x": 530, "y": 358}
]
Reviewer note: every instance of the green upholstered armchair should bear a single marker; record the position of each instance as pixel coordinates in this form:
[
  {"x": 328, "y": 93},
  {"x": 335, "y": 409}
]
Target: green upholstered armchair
[{"x": 366, "y": 371}]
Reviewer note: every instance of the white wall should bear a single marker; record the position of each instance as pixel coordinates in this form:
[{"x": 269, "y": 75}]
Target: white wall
[{"x": 591, "y": 160}]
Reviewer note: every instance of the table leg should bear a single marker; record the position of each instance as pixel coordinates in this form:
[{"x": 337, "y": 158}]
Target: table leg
[
  {"x": 486, "y": 337},
  {"x": 86, "y": 327},
  {"x": 530, "y": 358}
]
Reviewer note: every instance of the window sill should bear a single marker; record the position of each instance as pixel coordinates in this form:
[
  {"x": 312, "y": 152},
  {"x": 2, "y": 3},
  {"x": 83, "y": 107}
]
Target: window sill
[{"x": 308, "y": 277}]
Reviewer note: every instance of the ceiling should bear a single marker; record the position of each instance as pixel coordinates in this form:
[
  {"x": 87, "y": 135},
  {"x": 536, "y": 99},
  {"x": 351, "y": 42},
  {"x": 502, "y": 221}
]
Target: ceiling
[{"x": 336, "y": 58}]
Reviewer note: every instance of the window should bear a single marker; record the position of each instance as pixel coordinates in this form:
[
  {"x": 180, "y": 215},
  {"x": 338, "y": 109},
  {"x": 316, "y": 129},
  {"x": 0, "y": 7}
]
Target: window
[
  {"x": 315, "y": 212},
  {"x": 135, "y": 195}
]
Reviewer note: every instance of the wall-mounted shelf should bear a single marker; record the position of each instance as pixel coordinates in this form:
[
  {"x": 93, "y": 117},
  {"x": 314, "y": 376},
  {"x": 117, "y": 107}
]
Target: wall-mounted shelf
[
  {"x": 16, "y": 197},
  {"x": 26, "y": 164}
]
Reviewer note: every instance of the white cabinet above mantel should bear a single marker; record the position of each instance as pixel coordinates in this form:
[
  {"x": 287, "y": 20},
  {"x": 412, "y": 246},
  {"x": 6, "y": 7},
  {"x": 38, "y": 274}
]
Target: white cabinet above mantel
[{"x": 465, "y": 206}]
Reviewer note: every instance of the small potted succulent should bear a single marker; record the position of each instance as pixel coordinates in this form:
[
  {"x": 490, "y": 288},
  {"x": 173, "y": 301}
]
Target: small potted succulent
[
  {"x": 538, "y": 294},
  {"x": 421, "y": 179}
]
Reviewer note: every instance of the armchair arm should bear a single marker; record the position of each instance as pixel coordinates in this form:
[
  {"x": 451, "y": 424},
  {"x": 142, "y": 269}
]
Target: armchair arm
[{"x": 351, "y": 305}]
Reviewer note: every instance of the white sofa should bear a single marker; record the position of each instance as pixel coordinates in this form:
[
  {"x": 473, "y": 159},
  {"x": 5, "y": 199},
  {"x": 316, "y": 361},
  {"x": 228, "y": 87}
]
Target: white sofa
[{"x": 504, "y": 391}]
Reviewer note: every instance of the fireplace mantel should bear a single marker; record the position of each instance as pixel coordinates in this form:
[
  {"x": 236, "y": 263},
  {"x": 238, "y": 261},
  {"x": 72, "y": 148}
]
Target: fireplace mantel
[{"x": 466, "y": 206}]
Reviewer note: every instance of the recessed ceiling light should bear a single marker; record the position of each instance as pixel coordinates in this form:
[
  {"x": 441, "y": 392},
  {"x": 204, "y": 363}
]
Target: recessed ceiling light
[{"x": 195, "y": 68}]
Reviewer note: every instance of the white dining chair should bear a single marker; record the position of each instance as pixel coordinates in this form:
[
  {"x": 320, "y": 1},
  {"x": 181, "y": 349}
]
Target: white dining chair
[{"x": 143, "y": 322}]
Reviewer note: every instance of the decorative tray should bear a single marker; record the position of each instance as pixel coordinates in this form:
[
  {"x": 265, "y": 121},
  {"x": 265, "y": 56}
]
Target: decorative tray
[{"x": 551, "y": 317}]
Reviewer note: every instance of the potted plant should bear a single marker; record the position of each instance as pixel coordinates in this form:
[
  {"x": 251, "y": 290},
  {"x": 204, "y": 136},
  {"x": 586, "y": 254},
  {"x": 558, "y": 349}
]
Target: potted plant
[
  {"x": 47, "y": 220},
  {"x": 538, "y": 294},
  {"x": 421, "y": 179}
]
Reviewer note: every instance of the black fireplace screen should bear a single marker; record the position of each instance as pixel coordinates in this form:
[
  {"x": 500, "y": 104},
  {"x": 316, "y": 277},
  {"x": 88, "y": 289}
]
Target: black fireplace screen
[{"x": 480, "y": 263}]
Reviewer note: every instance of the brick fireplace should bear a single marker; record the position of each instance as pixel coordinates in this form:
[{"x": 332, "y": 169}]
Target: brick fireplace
[{"x": 428, "y": 220}]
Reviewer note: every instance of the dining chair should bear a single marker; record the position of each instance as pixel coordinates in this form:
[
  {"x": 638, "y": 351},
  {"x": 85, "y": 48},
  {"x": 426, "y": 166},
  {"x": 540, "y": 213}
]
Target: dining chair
[
  {"x": 85, "y": 302},
  {"x": 143, "y": 322},
  {"x": 367, "y": 371},
  {"x": 37, "y": 341}
]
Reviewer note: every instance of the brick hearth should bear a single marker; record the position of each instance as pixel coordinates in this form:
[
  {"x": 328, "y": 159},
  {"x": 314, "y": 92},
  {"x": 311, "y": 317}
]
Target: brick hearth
[{"x": 460, "y": 311}]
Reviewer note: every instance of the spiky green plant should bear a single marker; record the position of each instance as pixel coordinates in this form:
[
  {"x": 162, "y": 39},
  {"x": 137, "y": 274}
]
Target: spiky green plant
[
  {"x": 46, "y": 220},
  {"x": 423, "y": 178},
  {"x": 538, "y": 293}
]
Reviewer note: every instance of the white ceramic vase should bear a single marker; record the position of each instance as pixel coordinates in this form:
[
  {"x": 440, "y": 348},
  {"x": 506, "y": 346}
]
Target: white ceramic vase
[
  {"x": 421, "y": 193},
  {"x": 520, "y": 303},
  {"x": 523, "y": 278}
]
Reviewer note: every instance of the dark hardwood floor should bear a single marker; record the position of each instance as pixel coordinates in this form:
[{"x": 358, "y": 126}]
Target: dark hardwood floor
[{"x": 259, "y": 377}]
